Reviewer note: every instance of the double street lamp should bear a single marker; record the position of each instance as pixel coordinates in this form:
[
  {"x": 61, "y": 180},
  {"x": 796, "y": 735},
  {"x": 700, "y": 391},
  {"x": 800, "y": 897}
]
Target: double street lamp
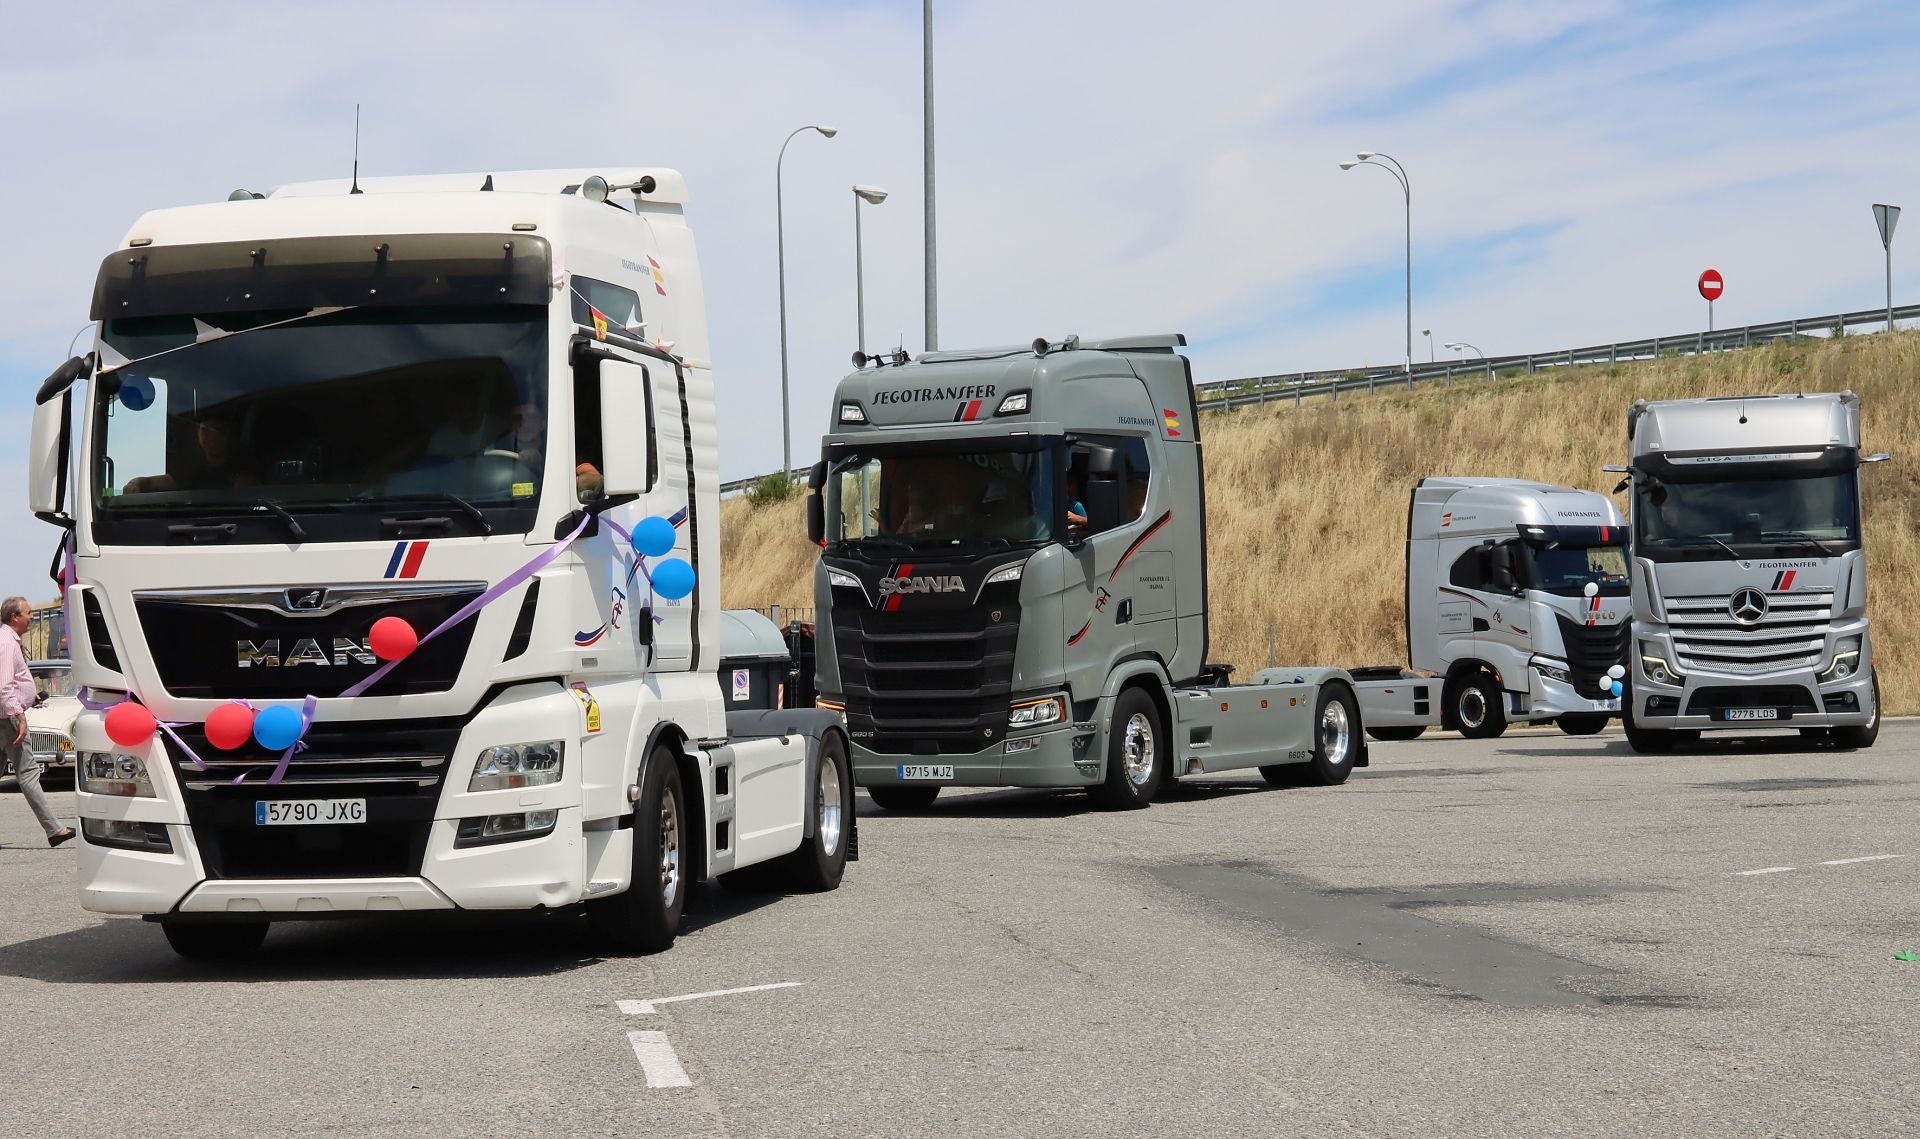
[
  {"x": 1367, "y": 158},
  {"x": 780, "y": 234},
  {"x": 873, "y": 196}
]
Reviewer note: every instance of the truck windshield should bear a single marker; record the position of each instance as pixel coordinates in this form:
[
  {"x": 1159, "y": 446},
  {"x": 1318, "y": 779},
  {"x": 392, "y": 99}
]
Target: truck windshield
[
  {"x": 914, "y": 498},
  {"x": 1812, "y": 514},
  {"x": 1566, "y": 570},
  {"x": 343, "y": 411}
]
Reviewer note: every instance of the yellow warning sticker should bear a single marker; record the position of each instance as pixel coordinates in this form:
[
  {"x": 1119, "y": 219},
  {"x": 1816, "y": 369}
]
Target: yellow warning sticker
[
  {"x": 523, "y": 490},
  {"x": 589, "y": 705}
]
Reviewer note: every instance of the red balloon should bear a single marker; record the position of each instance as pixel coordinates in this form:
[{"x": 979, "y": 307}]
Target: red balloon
[
  {"x": 391, "y": 638},
  {"x": 229, "y": 726},
  {"x": 129, "y": 724}
]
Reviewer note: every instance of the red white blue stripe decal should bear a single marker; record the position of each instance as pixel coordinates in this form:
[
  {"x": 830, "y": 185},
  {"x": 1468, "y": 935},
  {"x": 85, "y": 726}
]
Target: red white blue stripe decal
[
  {"x": 1784, "y": 579},
  {"x": 406, "y": 559},
  {"x": 1593, "y": 609},
  {"x": 968, "y": 412}
]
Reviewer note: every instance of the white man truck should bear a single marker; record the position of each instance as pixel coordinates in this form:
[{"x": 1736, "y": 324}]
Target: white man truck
[
  {"x": 1516, "y": 602},
  {"x": 475, "y": 412},
  {"x": 1749, "y": 579},
  {"x": 1013, "y": 583}
]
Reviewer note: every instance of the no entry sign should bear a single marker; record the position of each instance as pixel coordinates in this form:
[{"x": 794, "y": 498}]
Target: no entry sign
[{"x": 1712, "y": 284}]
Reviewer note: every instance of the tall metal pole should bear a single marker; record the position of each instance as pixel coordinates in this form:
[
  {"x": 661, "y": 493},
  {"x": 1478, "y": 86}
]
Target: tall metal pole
[
  {"x": 859, "y": 278},
  {"x": 926, "y": 134},
  {"x": 1889, "y": 286},
  {"x": 1399, "y": 172},
  {"x": 780, "y": 237}
]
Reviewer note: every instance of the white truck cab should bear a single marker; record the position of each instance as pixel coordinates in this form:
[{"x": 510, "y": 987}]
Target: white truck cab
[
  {"x": 1517, "y": 606},
  {"x": 396, "y": 505}
]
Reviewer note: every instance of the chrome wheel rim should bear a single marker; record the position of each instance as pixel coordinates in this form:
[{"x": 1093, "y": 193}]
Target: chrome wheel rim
[
  {"x": 1473, "y": 708},
  {"x": 1137, "y": 749},
  {"x": 669, "y": 846},
  {"x": 1336, "y": 733},
  {"x": 830, "y": 806}
]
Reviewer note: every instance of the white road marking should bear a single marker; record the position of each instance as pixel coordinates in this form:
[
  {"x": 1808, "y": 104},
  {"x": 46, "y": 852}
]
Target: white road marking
[
  {"x": 643, "y": 1008},
  {"x": 1766, "y": 870},
  {"x": 1828, "y": 862},
  {"x": 1868, "y": 858},
  {"x": 658, "y": 1060}
]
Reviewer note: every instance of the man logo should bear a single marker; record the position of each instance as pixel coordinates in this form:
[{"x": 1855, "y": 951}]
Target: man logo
[
  {"x": 306, "y": 598},
  {"x": 1747, "y": 606}
]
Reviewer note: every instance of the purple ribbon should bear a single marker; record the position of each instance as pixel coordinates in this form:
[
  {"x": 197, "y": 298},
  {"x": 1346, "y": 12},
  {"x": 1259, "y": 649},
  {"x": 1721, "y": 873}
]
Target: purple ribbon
[
  {"x": 311, "y": 703},
  {"x": 506, "y": 584}
]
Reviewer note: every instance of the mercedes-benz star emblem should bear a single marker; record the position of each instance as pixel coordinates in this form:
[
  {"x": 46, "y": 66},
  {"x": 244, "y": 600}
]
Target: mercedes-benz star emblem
[{"x": 1747, "y": 606}]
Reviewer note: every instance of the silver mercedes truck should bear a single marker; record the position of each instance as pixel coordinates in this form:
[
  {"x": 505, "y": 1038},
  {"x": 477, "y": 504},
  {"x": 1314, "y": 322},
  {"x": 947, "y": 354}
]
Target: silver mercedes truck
[{"x": 1749, "y": 581}]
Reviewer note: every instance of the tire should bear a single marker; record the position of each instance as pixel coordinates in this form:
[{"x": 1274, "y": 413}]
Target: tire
[
  {"x": 223, "y": 941},
  {"x": 904, "y": 796},
  {"x": 1861, "y": 735},
  {"x": 1581, "y": 725},
  {"x": 817, "y": 866},
  {"x": 1651, "y": 741},
  {"x": 1136, "y": 753},
  {"x": 1336, "y": 740},
  {"x": 1398, "y": 734},
  {"x": 645, "y": 918},
  {"x": 1477, "y": 707}
]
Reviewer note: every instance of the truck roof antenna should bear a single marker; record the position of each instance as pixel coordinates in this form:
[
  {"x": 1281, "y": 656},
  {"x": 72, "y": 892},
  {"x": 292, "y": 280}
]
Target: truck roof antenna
[{"x": 356, "y": 150}]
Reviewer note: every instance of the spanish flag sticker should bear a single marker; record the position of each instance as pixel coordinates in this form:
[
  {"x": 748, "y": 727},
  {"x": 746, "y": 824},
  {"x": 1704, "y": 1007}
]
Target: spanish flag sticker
[
  {"x": 1173, "y": 422},
  {"x": 599, "y": 323}
]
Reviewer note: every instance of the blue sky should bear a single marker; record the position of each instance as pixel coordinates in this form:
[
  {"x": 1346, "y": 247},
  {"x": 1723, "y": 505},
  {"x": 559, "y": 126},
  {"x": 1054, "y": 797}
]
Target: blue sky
[{"x": 1105, "y": 168}]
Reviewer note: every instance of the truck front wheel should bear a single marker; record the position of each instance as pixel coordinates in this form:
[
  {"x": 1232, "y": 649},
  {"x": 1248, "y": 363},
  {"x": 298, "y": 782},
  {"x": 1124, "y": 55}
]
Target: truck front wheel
[
  {"x": 1136, "y": 753},
  {"x": 646, "y": 917},
  {"x": 1478, "y": 708}
]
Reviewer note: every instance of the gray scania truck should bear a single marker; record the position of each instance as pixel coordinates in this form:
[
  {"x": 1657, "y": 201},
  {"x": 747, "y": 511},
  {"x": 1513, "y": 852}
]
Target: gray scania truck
[
  {"x": 1749, "y": 582},
  {"x": 1013, "y": 583}
]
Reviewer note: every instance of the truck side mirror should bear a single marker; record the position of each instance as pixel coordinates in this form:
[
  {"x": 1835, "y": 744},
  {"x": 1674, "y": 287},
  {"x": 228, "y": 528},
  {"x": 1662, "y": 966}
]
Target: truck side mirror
[
  {"x": 1103, "y": 502},
  {"x": 816, "y": 518},
  {"x": 626, "y": 428},
  {"x": 47, "y": 451},
  {"x": 1500, "y": 568}
]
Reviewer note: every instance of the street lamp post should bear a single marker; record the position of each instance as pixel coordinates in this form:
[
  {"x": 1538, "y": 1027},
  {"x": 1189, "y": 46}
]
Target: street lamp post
[
  {"x": 1399, "y": 172},
  {"x": 1428, "y": 333},
  {"x": 873, "y": 196},
  {"x": 780, "y": 237},
  {"x": 1461, "y": 347}
]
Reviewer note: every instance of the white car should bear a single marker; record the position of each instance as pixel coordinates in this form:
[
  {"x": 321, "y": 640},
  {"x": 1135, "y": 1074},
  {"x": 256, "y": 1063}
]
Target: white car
[{"x": 50, "y": 724}]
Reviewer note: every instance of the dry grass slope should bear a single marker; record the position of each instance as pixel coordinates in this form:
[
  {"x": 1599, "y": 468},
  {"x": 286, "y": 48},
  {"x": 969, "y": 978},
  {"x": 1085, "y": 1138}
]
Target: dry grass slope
[{"x": 1307, "y": 506}]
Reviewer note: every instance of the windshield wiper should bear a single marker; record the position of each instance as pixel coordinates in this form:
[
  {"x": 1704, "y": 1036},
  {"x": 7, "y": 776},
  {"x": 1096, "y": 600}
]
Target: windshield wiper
[
  {"x": 1705, "y": 537},
  {"x": 216, "y": 509},
  {"x": 294, "y": 528},
  {"x": 1795, "y": 536},
  {"x": 467, "y": 508}
]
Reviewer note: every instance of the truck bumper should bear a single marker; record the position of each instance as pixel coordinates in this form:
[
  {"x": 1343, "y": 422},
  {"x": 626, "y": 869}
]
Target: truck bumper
[
  {"x": 527, "y": 874},
  {"x": 1550, "y": 699},
  {"x": 1062, "y": 757},
  {"x": 1799, "y": 698}
]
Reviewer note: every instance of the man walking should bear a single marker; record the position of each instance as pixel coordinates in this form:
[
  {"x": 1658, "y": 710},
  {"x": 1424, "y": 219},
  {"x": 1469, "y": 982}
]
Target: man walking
[{"x": 17, "y": 694}]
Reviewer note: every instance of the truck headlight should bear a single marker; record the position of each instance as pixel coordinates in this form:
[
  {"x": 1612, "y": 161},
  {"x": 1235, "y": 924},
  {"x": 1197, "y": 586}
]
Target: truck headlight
[
  {"x": 842, "y": 579},
  {"x": 489, "y": 829},
  {"x": 1658, "y": 670},
  {"x": 518, "y": 765},
  {"x": 109, "y": 773},
  {"x": 1552, "y": 670},
  {"x": 1037, "y": 713},
  {"x": 1846, "y": 660}
]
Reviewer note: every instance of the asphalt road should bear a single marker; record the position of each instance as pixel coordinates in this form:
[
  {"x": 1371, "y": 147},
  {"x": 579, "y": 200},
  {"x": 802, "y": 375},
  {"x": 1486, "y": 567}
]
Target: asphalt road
[{"x": 1535, "y": 936}]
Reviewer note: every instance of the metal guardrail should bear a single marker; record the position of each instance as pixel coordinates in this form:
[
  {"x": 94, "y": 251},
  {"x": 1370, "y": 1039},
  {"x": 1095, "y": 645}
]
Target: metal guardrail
[
  {"x": 737, "y": 486},
  {"x": 1225, "y": 395},
  {"x": 1258, "y": 391}
]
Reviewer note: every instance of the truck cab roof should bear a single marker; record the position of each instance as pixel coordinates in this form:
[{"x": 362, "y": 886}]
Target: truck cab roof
[
  {"x": 1745, "y": 423},
  {"x": 1453, "y": 506}
]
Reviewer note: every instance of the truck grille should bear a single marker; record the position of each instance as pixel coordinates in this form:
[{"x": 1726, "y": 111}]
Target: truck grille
[
  {"x": 1591, "y": 651},
  {"x": 933, "y": 682},
  {"x": 1706, "y": 637},
  {"x": 396, "y": 766}
]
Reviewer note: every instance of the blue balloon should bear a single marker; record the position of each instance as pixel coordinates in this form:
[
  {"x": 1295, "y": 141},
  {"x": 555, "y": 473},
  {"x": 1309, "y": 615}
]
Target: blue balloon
[
  {"x": 1618, "y": 688},
  {"x": 136, "y": 393},
  {"x": 673, "y": 579},
  {"x": 277, "y": 728},
  {"x": 653, "y": 538}
]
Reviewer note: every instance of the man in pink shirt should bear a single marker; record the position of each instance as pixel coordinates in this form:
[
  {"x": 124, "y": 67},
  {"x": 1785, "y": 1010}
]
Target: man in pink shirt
[{"x": 17, "y": 694}]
